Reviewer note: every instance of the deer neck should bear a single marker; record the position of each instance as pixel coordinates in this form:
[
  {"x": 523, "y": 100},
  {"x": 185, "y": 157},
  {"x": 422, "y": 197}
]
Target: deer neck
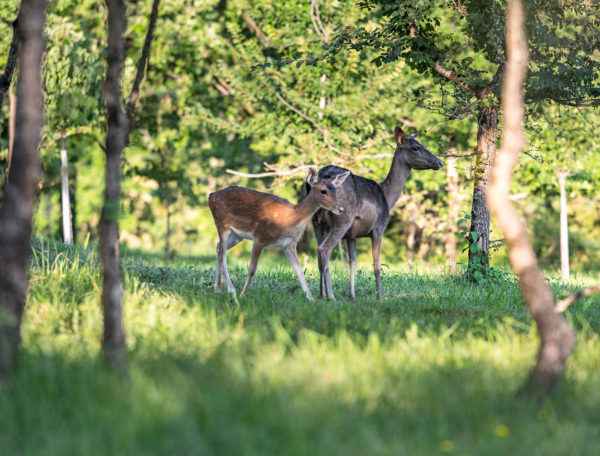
[
  {"x": 395, "y": 180},
  {"x": 305, "y": 209}
]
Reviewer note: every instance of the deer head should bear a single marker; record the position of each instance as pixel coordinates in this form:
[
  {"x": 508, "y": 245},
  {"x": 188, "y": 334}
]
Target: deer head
[
  {"x": 413, "y": 153},
  {"x": 324, "y": 191}
]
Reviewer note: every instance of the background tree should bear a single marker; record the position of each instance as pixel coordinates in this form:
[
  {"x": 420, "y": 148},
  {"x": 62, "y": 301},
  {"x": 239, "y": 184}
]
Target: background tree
[
  {"x": 117, "y": 136},
  {"x": 557, "y": 338},
  {"x": 460, "y": 45},
  {"x": 17, "y": 205}
]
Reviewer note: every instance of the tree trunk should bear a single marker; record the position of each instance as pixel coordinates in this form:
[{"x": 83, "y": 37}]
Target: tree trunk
[
  {"x": 479, "y": 232},
  {"x": 453, "y": 211},
  {"x": 73, "y": 193},
  {"x": 65, "y": 200},
  {"x": 12, "y": 114},
  {"x": 557, "y": 336},
  {"x": 17, "y": 209},
  {"x": 113, "y": 341},
  {"x": 168, "y": 231},
  {"x": 564, "y": 228}
]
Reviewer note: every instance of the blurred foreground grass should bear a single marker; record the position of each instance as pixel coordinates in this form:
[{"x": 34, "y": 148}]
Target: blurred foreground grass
[{"x": 431, "y": 369}]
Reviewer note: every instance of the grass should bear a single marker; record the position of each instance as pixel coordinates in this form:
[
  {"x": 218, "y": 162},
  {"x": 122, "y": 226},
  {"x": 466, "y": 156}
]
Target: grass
[{"x": 431, "y": 369}]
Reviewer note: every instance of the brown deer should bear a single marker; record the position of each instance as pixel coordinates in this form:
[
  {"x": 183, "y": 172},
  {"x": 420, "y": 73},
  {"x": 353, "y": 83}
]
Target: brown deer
[{"x": 241, "y": 213}]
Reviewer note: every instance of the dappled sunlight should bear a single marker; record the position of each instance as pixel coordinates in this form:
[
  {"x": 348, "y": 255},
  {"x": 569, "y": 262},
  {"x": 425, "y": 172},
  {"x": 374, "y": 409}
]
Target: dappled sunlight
[{"x": 425, "y": 370}]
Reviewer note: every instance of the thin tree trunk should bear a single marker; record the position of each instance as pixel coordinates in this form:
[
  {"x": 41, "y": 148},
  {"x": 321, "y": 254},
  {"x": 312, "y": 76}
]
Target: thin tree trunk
[
  {"x": 323, "y": 99},
  {"x": 453, "y": 211},
  {"x": 557, "y": 338},
  {"x": 11, "y": 62},
  {"x": 564, "y": 227},
  {"x": 65, "y": 200},
  {"x": 168, "y": 232},
  {"x": 73, "y": 193},
  {"x": 12, "y": 114},
  {"x": 17, "y": 209},
  {"x": 117, "y": 137},
  {"x": 113, "y": 341},
  {"x": 479, "y": 232}
]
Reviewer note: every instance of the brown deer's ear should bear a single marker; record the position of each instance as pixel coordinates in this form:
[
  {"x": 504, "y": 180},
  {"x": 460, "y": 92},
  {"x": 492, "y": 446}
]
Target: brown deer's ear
[
  {"x": 312, "y": 178},
  {"x": 399, "y": 135},
  {"x": 338, "y": 180}
]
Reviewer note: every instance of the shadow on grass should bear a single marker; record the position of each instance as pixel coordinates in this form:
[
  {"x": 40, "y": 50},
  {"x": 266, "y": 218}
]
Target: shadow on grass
[{"x": 184, "y": 405}]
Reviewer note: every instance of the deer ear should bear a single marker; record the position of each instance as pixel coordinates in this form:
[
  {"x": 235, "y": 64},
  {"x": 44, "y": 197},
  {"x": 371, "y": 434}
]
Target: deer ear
[
  {"x": 399, "y": 135},
  {"x": 312, "y": 178},
  {"x": 340, "y": 179}
]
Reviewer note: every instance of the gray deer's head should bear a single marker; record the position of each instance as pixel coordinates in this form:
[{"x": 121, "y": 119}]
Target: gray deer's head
[{"x": 413, "y": 153}]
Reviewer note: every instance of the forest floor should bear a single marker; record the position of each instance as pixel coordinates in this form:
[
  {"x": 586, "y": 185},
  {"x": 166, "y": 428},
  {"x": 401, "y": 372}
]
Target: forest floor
[{"x": 431, "y": 369}]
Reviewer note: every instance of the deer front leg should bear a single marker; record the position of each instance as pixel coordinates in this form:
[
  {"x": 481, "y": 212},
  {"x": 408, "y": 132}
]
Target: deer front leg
[
  {"x": 325, "y": 249},
  {"x": 351, "y": 252},
  {"x": 320, "y": 236},
  {"x": 256, "y": 251},
  {"x": 376, "y": 247},
  {"x": 292, "y": 256}
]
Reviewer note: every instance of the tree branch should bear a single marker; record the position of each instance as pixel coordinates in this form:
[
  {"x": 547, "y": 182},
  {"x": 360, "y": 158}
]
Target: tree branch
[
  {"x": 264, "y": 40},
  {"x": 282, "y": 173},
  {"x": 315, "y": 17},
  {"x": 453, "y": 77},
  {"x": 142, "y": 65},
  {"x": 564, "y": 304}
]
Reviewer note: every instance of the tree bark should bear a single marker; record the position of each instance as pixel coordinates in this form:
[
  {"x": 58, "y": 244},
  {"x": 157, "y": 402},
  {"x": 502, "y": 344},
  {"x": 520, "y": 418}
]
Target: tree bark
[
  {"x": 453, "y": 211},
  {"x": 565, "y": 272},
  {"x": 117, "y": 137},
  {"x": 113, "y": 341},
  {"x": 17, "y": 209},
  {"x": 557, "y": 338},
  {"x": 479, "y": 231},
  {"x": 65, "y": 200}
]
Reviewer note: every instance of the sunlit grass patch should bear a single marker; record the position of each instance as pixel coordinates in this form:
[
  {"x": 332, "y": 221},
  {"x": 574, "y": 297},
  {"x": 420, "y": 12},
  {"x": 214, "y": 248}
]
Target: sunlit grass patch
[{"x": 431, "y": 369}]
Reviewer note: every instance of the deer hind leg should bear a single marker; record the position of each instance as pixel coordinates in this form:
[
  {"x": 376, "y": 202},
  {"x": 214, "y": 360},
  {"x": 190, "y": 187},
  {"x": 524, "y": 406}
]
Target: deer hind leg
[
  {"x": 376, "y": 247},
  {"x": 228, "y": 242},
  {"x": 351, "y": 251},
  {"x": 292, "y": 256},
  {"x": 219, "y": 272},
  {"x": 256, "y": 251},
  {"x": 225, "y": 242}
]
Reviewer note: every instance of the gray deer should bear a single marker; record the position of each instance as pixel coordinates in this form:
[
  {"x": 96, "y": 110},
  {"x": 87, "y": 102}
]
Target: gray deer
[{"x": 365, "y": 209}]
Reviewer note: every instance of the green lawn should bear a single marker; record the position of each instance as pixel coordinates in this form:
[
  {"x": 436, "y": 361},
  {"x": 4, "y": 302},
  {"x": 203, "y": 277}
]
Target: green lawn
[{"x": 431, "y": 369}]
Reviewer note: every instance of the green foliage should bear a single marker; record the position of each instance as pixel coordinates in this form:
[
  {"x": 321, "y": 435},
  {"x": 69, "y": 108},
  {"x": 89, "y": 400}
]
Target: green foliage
[
  {"x": 218, "y": 98},
  {"x": 432, "y": 368}
]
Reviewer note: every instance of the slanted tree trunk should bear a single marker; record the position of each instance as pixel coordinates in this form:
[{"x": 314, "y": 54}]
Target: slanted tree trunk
[
  {"x": 557, "y": 338},
  {"x": 65, "y": 200},
  {"x": 453, "y": 211},
  {"x": 113, "y": 341},
  {"x": 17, "y": 209},
  {"x": 564, "y": 227},
  {"x": 479, "y": 232}
]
